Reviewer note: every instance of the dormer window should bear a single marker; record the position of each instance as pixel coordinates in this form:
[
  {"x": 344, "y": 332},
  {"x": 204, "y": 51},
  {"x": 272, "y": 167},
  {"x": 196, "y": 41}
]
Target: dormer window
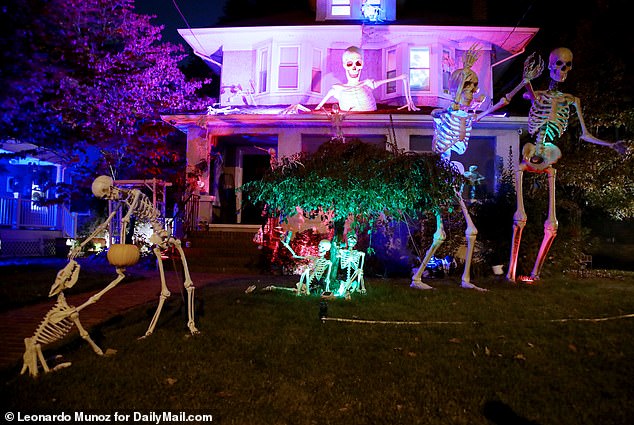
[
  {"x": 340, "y": 8},
  {"x": 372, "y": 11}
]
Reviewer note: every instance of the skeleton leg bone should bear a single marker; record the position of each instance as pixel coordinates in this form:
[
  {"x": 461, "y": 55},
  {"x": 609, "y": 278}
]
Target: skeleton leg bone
[
  {"x": 165, "y": 293},
  {"x": 519, "y": 222},
  {"x": 439, "y": 238},
  {"x": 189, "y": 287},
  {"x": 550, "y": 225},
  {"x": 471, "y": 233}
]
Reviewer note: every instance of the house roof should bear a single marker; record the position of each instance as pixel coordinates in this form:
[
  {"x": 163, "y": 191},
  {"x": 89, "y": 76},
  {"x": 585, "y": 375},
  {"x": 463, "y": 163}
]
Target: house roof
[
  {"x": 505, "y": 42},
  {"x": 28, "y": 150}
]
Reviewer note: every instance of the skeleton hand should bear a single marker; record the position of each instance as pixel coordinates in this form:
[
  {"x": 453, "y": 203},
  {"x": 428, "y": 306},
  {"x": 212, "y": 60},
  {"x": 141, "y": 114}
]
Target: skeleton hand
[
  {"x": 294, "y": 109},
  {"x": 471, "y": 57},
  {"x": 620, "y": 146},
  {"x": 410, "y": 106},
  {"x": 533, "y": 67}
]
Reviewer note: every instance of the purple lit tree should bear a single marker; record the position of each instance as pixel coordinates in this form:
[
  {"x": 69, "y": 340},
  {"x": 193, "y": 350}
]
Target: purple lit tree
[{"x": 87, "y": 79}]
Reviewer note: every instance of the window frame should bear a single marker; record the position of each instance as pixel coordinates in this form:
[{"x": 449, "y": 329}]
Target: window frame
[{"x": 413, "y": 87}]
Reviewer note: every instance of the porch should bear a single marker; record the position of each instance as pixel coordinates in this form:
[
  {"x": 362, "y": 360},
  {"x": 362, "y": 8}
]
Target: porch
[{"x": 30, "y": 229}]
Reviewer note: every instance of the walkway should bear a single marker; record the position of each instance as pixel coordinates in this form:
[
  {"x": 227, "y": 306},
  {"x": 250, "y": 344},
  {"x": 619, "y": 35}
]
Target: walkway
[{"x": 15, "y": 325}]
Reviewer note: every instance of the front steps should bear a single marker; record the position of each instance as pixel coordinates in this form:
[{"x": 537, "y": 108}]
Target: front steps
[{"x": 224, "y": 248}]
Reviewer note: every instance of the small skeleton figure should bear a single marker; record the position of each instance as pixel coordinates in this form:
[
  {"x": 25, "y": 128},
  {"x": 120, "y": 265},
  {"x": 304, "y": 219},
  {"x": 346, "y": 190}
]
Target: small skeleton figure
[
  {"x": 547, "y": 120},
  {"x": 60, "y": 319},
  {"x": 352, "y": 262},
  {"x": 317, "y": 269},
  {"x": 474, "y": 178},
  {"x": 272, "y": 156},
  {"x": 357, "y": 95},
  {"x": 337, "y": 118}
]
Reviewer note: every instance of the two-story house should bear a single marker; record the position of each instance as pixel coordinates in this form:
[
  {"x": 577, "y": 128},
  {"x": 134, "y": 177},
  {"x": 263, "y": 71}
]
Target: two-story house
[{"x": 264, "y": 69}]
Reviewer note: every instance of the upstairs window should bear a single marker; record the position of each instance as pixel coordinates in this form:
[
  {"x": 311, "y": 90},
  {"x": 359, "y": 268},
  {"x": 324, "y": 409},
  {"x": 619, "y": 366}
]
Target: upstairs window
[
  {"x": 288, "y": 77},
  {"x": 315, "y": 82},
  {"x": 447, "y": 66},
  {"x": 340, "y": 8},
  {"x": 390, "y": 71},
  {"x": 419, "y": 69},
  {"x": 263, "y": 69}
]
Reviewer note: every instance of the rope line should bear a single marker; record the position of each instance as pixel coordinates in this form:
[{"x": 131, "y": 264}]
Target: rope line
[{"x": 400, "y": 322}]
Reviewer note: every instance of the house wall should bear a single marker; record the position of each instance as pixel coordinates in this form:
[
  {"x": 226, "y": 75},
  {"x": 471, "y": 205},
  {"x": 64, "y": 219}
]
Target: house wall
[{"x": 493, "y": 144}]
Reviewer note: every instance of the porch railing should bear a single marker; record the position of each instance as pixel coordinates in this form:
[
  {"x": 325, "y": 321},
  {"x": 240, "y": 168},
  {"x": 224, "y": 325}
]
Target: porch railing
[{"x": 19, "y": 213}]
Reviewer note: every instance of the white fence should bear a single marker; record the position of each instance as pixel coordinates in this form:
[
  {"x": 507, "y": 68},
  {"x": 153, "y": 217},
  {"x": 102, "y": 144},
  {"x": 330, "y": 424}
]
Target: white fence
[{"x": 19, "y": 213}]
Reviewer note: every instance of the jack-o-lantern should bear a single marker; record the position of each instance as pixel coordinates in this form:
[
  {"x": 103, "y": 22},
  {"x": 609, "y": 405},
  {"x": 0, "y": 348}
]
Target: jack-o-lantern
[{"x": 123, "y": 255}]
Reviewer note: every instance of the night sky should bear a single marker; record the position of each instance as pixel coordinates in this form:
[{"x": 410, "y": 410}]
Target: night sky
[{"x": 198, "y": 14}]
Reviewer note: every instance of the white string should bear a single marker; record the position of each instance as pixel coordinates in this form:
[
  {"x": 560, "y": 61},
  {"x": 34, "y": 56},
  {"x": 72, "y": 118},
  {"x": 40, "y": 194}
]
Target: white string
[{"x": 399, "y": 322}]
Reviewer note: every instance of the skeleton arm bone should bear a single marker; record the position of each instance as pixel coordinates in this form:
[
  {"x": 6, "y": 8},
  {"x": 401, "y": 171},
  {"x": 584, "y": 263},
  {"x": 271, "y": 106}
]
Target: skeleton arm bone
[
  {"x": 587, "y": 137},
  {"x": 406, "y": 89},
  {"x": 285, "y": 241},
  {"x": 533, "y": 67},
  {"x": 331, "y": 93},
  {"x": 92, "y": 236},
  {"x": 132, "y": 206}
]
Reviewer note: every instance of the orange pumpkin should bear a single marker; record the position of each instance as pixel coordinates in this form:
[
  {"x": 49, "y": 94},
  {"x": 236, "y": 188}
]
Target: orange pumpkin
[{"x": 123, "y": 255}]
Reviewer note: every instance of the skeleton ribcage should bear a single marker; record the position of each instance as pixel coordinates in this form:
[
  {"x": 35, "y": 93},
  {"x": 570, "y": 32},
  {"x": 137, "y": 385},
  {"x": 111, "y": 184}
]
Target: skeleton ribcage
[
  {"x": 320, "y": 267},
  {"x": 548, "y": 117},
  {"x": 452, "y": 130},
  {"x": 48, "y": 331},
  {"x": 358, "y": 98},
  {"x": 350, "y": 259}
]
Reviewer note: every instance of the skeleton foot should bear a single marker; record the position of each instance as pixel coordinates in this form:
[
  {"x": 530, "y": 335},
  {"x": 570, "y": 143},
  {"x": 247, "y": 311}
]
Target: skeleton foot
[
  {"x": 192, "y": 329},
  {"x": 468, "y": 285},
  {"x": 61, "y": 366},
  {"x": 250, "y": 289},
  {"x": 417, "y": 284},
  {"x": 528, "y": 280}
]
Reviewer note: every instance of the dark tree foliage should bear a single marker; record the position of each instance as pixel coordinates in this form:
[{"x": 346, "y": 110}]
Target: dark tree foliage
[
  {"x": 88, "y": 80},
  {"x": 359, "y": 180}
]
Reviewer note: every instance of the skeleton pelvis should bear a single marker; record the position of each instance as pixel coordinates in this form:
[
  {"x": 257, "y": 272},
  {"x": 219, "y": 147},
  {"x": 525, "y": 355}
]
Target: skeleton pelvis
[{"x": 541, "y": 156}]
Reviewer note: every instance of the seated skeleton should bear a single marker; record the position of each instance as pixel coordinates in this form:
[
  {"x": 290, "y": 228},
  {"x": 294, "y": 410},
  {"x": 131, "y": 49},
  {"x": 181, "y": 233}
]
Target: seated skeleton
[
  {"x": 352, "y": 262},
  {"x": 356, "y": 95}
]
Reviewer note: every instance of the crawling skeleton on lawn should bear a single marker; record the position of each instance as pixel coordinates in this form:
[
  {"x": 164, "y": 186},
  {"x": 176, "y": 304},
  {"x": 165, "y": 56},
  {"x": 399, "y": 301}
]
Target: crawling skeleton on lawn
[{"x": 58, "y": 322}]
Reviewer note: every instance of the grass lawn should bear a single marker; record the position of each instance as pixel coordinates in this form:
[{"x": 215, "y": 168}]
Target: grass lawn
[{"x": 501, "y": 357}]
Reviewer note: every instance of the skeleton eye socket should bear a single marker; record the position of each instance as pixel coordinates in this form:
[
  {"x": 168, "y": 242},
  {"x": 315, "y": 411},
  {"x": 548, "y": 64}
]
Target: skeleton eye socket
[
  {"x": 566, "y": 64},
  {"x": 350, "y": 64}
]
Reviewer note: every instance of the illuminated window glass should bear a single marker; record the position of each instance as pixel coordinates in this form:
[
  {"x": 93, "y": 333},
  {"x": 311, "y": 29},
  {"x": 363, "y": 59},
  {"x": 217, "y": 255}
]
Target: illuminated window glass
[
  {"x": 289, "y": 68},
  {"x": 340, "y": 8},
  {"x": 315, "y": 82},
  {"x": 447, "y": 66},
  {"x": 263, "y": 70},
  {"x": 419, "y": 68},
  {"x": 391, "y": 70}
]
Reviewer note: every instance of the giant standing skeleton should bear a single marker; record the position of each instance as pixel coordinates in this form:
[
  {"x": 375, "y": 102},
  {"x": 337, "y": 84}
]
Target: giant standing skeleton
[
  {"x": 547, "y": 120},
  {"x": 61, "y": 318},
  {"x": 452, "y": 130}
]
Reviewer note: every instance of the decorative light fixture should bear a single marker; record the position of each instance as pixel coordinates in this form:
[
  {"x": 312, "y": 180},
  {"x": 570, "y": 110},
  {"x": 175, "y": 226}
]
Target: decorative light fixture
[{"x": 371, "y": 10}]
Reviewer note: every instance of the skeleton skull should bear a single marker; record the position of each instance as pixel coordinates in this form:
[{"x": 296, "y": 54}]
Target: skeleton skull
[
  {"x": 469, "y": 87},
  {"x": 102, "y": 187},
  {"x": 560, "y": 63},
  {"x": 353, "y": 63},
  {"x": 324, "y": 247}
]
